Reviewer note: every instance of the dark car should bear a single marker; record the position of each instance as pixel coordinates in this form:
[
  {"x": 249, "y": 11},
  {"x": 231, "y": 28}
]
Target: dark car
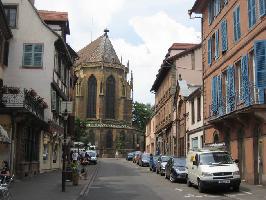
[
  {"x": 160, "y": 166},
  {"x": 153, "y": 162},
  {"x": 144, "y": 160},
  {"x": 130, "y": 156},
  {"x": 175, "y": 169}
]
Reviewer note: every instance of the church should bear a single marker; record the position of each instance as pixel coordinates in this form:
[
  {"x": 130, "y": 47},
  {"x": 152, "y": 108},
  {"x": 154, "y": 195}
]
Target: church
[{"x": 104, "y": 98}]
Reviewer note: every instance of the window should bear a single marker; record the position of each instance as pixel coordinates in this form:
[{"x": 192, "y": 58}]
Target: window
[
  {"x": 262, "y": 7},
  {"x": 230, "y": 89},
  {"x": 214, "y": 8},
  {"x": 110, "y": 98},
  {"x": 217, "y": 98},
  {"x": 251, "y": 13},
  {"x": 53, "y": 100},
  {"x": 192, "y": 112},
  {"x": 237, "y": 30},
  {"x": 11, "y": 15},
  {"x": 217, "y": 44},
  {"x": 224, "y": 35},
  {"x": 238, "y": 78},
  {"x": 92, "y": 97},
  {"x": 33, "y": 55},
  {"x": 198, "y": 108},
  {"x": 195, "y": 143},
  {"x": 210, "y": 51},
  {"x": 245, "y": 88}
]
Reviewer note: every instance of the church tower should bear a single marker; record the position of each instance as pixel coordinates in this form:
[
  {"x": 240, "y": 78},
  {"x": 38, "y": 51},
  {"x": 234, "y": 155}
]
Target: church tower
[{"x": 104, "y": 97}]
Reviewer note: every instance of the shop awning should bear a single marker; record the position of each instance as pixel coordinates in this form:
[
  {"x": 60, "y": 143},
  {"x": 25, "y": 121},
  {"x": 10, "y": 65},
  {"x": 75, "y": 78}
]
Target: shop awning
[{"x": 4, "y": 138}]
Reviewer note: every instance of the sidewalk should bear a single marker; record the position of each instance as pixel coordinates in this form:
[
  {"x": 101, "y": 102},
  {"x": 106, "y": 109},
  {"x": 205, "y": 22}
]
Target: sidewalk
[{"x": 48, "y": 186}]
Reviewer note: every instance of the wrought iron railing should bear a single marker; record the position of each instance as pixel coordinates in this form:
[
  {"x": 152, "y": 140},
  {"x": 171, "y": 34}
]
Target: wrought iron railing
[
  {"x": 236, "y": 102},
  {"x": 26, "y": 99}
]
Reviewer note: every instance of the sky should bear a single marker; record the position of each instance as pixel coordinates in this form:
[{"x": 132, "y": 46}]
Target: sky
[{"x": 141, "y": 31}]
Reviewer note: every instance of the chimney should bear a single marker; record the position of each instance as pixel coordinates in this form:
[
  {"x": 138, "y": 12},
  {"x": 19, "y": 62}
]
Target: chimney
[{"x": 32, "y": 1}]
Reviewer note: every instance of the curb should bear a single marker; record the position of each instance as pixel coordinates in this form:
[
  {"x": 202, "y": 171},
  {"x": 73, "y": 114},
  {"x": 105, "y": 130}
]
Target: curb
[{"x": 85, "y": 189}]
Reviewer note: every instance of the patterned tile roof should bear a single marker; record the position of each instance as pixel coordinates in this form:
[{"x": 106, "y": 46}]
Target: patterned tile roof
[
  {"x": 100, "y": 50},
  {"x": 53, "y": 15}
]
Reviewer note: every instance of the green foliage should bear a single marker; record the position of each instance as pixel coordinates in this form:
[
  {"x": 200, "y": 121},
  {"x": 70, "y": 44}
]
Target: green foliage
[
  {"x": 141, "y": 115},
  {"x": 120, "y": 143},
  {"x": 74, "y": 167},
  {"x": 80, "y": 129}
]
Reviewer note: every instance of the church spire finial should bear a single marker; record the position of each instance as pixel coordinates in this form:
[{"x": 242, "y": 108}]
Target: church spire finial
[{"x": 106, "y": 31}]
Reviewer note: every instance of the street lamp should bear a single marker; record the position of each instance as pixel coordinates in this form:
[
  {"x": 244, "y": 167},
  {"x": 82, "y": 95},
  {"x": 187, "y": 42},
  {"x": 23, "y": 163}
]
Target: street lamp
[{"x": 65, "y": 116}]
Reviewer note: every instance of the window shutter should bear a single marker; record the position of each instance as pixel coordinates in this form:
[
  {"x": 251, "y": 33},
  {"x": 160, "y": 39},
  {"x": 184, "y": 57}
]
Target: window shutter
[
  {"x": 210, "y": 12},
  {"x": 235, "y": 25},
  {"x": 53, "y": 100},
  {"x": 238, "y": 23},
  {"x": 251, "y": 13},
  {"x": 230, "y": 89},
  {"x": 225, "y": 2},
  {"x": 224, "y": 35},
  {"x": 214, "y": 95},
  {"x": 218, "y": 5},
  {"x": 210, "y": 51},
  {"x": 245, "y": 91},
  {"x": 27, "y": 55},
  {"x": 38, "y": 51},
  {"x": 217, "y": 44},
  {"x": 260, "y": 68},
  {"x": 220, "y": 95},
  {"x": 262, "y": 7}
]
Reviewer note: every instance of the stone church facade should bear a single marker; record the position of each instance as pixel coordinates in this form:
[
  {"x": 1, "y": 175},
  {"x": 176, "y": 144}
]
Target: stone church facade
[{"x": 104, "y": 98}]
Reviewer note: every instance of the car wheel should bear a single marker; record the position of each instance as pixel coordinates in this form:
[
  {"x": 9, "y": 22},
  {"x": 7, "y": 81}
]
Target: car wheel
[
  {"x": 236, "y": 188},
  {"x": 189, "y": 184},
  {"x": 172, "y": 179},
  {"x": 200, "y": 186},
  {"x": 165, "y": 176}
]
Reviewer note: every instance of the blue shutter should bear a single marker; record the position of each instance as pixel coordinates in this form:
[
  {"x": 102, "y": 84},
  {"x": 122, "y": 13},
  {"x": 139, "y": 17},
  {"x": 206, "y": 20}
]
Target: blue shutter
[
  {"x": 28, "y": 55},
  {"x": 210, "y": 12},
  {"x": 224, "y": 35},
  {"x": 245, "y": 89},
  {"x": 225, "y": 2},
  {"x": 237, "y": 29},
  {"x": 230, "y": 89},
  {"x": 251, "y": 12},
  {"x": 214, "y": 95},
  {"x": 262, "y": 7},
  {"x": 210, "y": 51},
  {"x": 220, "y": 95},
  {"x": 38, "y": 53},
  {"x": 260, "y": 68},
  {"x": 217, "y": 44}
]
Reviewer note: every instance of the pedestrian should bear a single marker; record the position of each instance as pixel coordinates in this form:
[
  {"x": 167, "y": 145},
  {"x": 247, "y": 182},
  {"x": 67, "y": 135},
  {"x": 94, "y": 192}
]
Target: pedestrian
[
  {"x": 116, "y": 154},
  {"x": 75, "y": 156}
]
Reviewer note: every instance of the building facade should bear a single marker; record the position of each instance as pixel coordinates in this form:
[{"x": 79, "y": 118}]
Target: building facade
[
  {"x": 194, "y": 120},
  {"x": 150, "y": 137},
  {"x": 234, "y": 46},
  {"x": 104, "y": 98},
  {"x": 31, "y": 105}
]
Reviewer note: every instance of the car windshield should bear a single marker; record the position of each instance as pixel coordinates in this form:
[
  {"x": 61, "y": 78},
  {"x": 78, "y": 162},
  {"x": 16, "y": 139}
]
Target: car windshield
[
  {"x": 165, "y": 158},
  {"x": 146, "y": 156},
  {"x": 179, "y": 162},
  {"x": 215, "y": 158},
  {"x": 92, "y": 154}
]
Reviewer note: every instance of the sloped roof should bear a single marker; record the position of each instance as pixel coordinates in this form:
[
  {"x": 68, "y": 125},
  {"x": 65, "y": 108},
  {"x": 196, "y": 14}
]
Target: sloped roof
[
  {"x": 100, "y": 50},
  {"x": 182, "y": 46},
  {"x": 53, "y": 15}
]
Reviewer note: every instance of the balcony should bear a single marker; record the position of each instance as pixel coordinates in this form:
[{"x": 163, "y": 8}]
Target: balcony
[
  {"x": 237, "y": 104},
  {"x": 23, "y": 100}
]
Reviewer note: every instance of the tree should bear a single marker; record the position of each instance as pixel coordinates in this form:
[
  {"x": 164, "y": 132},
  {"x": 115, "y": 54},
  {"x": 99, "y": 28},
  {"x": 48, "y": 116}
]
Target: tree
[
  {"x": 80, "y": 129},
  {"x": 141, "y": 115}
]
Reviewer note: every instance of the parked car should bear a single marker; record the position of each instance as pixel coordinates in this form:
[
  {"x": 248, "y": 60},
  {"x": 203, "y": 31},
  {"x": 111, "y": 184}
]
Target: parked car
[
  {"x": 160, "y": 166},
  {"x": 175, "y": 169},
  {"x": 212, "y": 168},
  {"x": 153, "y": 162},
  {"x": 144, "y": 160},
  {"x": 135, "y": 158},
  {"x": 130, "y": 156}
]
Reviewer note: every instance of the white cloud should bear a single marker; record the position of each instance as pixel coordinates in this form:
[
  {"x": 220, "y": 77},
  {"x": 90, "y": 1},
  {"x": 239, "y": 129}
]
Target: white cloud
[{"x": 158, "y": 32}]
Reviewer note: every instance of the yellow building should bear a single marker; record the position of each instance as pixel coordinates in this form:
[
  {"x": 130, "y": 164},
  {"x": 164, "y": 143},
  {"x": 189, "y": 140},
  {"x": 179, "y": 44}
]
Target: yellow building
[{"x": 104, "y": 97}]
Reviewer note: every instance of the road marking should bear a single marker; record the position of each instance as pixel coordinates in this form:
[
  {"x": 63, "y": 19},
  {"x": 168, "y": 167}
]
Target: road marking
[{"x": 177, "y": 189}]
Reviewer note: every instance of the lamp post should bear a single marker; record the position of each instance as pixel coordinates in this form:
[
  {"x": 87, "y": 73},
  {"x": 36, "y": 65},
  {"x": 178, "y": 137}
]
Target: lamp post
[{"x": 65, "y": 115}]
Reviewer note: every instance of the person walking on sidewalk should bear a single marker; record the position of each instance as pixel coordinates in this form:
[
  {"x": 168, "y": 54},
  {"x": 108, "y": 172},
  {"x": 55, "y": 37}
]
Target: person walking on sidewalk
[{"x": 116, "y": 154}]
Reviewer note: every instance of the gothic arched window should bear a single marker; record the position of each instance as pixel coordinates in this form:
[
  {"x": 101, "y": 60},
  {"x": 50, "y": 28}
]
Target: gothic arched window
[
  {"x": 110, "y": 98},
  {"x": 92, "y": 96},
  {"x": 109, "y": 139}
]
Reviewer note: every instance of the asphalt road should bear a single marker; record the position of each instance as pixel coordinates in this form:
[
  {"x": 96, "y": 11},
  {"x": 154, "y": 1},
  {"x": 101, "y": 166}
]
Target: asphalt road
[{"x": 123, "y": 180}]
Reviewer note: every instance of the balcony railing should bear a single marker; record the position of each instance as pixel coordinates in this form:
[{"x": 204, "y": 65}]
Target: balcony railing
[
  {"x": 24, "y": 99},
  {"x": 236, "y": 102}
]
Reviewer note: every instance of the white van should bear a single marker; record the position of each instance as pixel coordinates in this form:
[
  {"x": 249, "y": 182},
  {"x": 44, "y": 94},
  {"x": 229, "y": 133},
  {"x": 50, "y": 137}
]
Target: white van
[{"x": 212, "y": 168}]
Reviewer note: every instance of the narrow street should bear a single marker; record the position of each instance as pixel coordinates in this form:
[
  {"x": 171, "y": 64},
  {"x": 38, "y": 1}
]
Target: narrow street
[{"x": 120, "y": 180}]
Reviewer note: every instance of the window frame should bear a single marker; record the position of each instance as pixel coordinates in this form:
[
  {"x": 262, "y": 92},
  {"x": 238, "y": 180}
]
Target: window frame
[
  {"x": 11, "y": 6},
  {"x": 33, "y": 66}
]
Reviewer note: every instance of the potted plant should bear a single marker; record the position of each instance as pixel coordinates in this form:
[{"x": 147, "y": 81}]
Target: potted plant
[
  {"x": 75, "y": 173},
  {"x": 32, "y": 92}
]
